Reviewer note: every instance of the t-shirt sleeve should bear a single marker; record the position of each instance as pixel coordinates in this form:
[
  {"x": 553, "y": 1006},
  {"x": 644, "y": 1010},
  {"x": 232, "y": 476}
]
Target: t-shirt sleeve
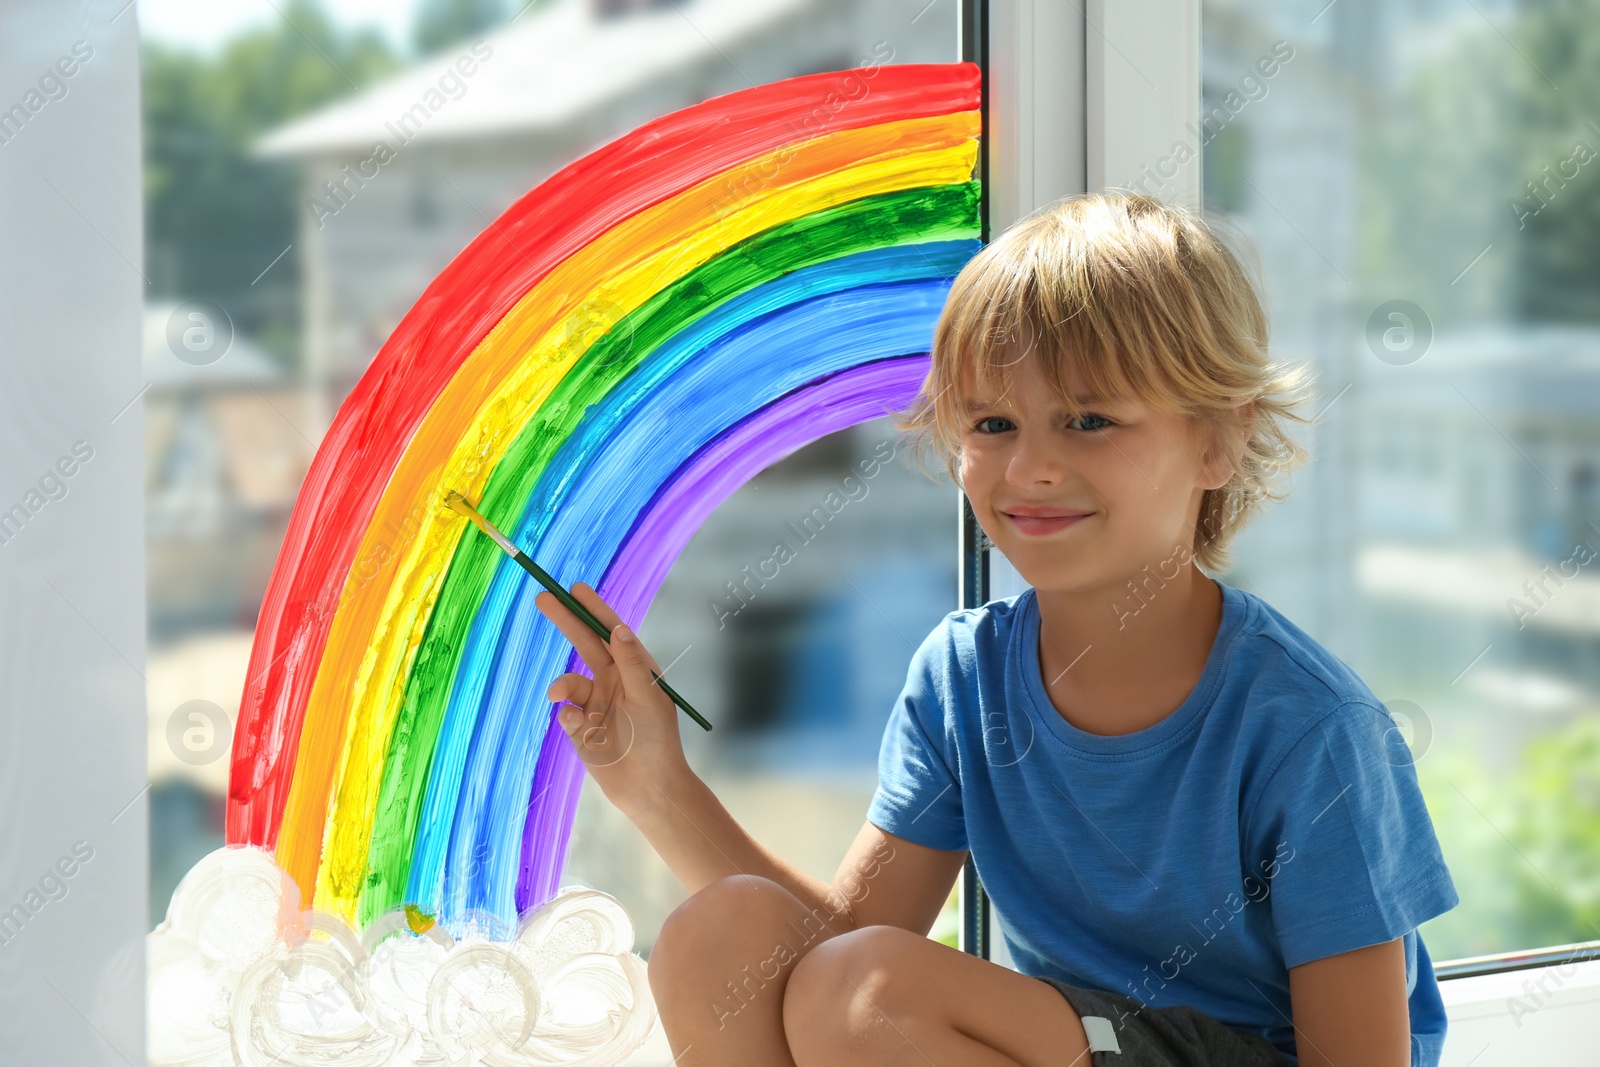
[
  {"x": 1344, "y": 840},
  {"x": 919, "y": 790}
]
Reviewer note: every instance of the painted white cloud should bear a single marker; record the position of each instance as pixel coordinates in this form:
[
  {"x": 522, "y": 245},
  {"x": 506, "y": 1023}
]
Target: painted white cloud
[{"x": 240, "y": 977}]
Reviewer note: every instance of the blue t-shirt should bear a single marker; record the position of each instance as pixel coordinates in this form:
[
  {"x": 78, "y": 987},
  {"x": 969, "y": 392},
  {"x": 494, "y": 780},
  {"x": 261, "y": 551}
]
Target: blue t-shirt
[{"x": 1272, "y": 819}]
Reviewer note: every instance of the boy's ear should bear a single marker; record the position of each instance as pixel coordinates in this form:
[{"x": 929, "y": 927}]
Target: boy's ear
[{"x": 1219, "y": 463}]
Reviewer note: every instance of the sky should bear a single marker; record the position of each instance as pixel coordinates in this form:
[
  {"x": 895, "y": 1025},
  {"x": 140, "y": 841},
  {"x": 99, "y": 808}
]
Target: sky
[{"x": 206, "y": 24}]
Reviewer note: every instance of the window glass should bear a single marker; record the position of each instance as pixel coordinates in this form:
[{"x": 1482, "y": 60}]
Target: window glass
[{"x": 1420, "y": 180}]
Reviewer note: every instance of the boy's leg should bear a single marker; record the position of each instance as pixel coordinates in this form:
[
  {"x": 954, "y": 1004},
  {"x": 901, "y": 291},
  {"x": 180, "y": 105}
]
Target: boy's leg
[
  {"x": 719, "y": 968},
  {"x": 886, "y": 996}
]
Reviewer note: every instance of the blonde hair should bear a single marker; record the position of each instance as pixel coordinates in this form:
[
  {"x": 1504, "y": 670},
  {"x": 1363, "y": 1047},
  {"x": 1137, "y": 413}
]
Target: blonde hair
[{"x": 1147, "y": 301}]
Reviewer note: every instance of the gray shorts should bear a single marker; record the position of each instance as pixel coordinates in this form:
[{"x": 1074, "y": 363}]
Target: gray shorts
[{"x": 1125, "y": 1033}]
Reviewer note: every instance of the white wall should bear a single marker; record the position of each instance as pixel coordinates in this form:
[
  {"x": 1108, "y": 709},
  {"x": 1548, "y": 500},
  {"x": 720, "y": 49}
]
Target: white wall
[{"x": 72, "y": 750}]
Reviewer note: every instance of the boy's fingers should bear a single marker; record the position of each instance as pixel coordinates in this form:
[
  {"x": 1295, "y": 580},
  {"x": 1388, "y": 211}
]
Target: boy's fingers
[
  {"x": 590, "y": 645},
  {"x": 584, "y": 594},
  {"x": 573, "y": 688},
  {"x": 574, "y": 720},
  {"x": 635, "y": 665}
]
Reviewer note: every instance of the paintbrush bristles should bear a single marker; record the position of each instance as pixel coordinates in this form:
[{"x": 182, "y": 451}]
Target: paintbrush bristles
[{"x": 459, "y": 504}]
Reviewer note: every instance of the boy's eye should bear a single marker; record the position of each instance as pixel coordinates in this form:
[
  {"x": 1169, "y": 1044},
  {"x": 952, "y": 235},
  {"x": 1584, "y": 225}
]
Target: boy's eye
[{"x": 1096, "y": 422}]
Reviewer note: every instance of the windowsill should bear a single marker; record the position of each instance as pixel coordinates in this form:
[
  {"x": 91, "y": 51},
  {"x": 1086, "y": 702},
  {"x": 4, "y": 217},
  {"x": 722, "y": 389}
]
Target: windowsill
[{"x": 1525, "y": 989}]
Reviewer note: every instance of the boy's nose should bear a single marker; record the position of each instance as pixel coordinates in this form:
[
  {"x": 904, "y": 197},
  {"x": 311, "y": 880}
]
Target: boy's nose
[{"x": 1033, "y": 462}]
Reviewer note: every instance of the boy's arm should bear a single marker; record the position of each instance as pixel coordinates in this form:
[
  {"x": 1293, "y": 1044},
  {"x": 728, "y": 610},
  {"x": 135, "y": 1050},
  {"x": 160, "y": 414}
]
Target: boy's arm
[
  {"x": 1352, "y": 1008},
  {"x": 883, "y": 879}
]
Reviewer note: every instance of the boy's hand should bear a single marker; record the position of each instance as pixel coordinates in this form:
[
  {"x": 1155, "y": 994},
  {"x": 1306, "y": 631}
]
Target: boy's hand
[{"x": 624, "y": 726}]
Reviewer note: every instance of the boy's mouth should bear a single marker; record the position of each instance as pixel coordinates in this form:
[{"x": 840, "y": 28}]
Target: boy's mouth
[{"x": 1039, "y": 522}]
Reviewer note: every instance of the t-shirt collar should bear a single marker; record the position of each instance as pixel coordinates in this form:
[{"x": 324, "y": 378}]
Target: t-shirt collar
[{"x": 1024, "y": 658}]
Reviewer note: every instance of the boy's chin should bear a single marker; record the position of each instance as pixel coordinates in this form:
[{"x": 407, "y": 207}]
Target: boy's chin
[{"x": 1043, "y": 567}]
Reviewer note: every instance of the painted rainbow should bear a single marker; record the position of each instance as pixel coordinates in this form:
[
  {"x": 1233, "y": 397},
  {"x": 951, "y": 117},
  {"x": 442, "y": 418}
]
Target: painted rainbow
[{"x": 602, "y": 366}]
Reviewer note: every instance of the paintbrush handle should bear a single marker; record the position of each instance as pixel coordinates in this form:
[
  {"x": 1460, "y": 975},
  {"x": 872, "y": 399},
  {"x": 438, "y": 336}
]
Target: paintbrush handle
[
  {"x": 597, "y": 626},
  {"x": 543, "y": 576},
  {"x": 459, "y": 504}
]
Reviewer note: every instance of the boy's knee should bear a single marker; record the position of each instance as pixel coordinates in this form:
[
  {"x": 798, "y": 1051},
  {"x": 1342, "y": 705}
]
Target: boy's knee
[
  {"x": 837, "y": 986},
  {"x": 854, "y": 957},
  {"x": 717, "y": 906},
  {"x": 724, "y": 913}
]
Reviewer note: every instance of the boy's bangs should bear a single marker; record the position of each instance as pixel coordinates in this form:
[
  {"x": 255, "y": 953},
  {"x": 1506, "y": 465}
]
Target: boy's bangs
[{"x": 1003, "y": 314}]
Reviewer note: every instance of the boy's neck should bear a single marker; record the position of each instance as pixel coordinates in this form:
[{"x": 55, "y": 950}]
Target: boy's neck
[{"x": 1114, "y": 663}]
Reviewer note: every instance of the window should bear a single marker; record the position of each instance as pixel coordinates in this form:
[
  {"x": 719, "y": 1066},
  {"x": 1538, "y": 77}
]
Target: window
[{"x": 1422, "y": 194}]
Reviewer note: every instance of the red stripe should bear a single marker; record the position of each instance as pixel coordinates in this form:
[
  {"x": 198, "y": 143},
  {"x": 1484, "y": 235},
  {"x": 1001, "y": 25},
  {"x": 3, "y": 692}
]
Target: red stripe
[{"x": 480, "y": 286}]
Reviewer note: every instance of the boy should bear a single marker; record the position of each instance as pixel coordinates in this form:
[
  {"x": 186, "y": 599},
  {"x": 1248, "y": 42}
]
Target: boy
[{"x": 1199, "y": 828}]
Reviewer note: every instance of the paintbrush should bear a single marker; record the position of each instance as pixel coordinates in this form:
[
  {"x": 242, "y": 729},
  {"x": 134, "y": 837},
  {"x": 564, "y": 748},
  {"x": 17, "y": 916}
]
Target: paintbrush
[{"x": 459, "y": 504}]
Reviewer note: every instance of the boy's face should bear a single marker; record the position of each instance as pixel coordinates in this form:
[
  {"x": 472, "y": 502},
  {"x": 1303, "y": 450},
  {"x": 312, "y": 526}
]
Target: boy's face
[{"x": 1135, "y": 471}]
